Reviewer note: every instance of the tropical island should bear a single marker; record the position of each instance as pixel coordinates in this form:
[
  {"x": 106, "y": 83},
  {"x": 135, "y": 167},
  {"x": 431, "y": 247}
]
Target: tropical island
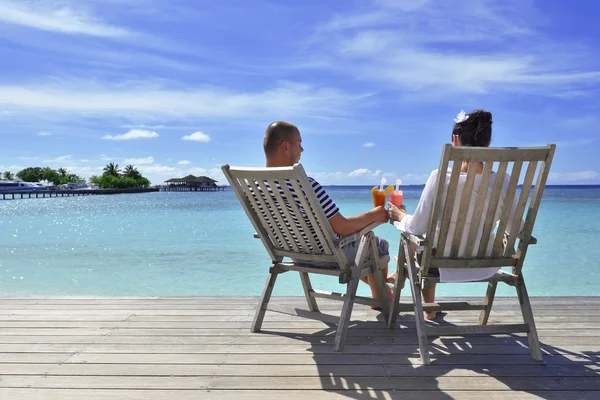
[{"x": 112, "y": 177}]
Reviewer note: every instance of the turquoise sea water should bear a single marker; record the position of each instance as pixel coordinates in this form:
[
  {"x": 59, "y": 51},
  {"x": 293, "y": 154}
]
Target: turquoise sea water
[{"x": 202, "y": 244}]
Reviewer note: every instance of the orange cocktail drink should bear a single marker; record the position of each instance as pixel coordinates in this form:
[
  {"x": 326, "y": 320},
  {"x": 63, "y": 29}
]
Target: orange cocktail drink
[{"x": 379, "y": 196}]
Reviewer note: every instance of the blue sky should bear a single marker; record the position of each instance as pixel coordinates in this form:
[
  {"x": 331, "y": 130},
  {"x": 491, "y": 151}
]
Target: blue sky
[{"x": 184, "y": 86}]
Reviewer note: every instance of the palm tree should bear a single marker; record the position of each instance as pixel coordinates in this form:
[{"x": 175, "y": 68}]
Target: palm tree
[
  {"x": 112, "y": 169},
  {"x": 131, "y": 172},
  {"x": 62, "y": 172},
  {"x": 8, "y": 176}
]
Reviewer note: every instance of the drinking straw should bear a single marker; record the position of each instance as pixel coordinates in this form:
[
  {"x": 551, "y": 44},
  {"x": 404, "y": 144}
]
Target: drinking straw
[
  {"x": 398, "y": 183},
  {"x": 383, "y": 181}
]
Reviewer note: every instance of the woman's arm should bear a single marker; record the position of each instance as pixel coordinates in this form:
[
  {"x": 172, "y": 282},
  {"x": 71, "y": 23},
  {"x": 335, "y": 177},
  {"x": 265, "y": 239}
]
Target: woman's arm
[{"x": 418, "y": 223}]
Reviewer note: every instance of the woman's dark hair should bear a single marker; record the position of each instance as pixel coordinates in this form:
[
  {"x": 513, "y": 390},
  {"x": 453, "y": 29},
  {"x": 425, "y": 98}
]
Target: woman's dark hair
[{"x": 476, "y": 130}]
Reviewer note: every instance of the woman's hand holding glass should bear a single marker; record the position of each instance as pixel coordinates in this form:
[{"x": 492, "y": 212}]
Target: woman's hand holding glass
[{"x": 396, "y": 213}]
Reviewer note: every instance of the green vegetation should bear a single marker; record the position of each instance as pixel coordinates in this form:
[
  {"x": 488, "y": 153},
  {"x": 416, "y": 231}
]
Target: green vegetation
[
  {"x": 114, "y": 178},
  {"x": 56, "y": 177}
]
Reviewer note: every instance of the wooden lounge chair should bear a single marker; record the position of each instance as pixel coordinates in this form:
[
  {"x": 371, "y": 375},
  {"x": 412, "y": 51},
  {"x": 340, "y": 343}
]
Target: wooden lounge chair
[
  {"x": 284, "y": 227},
  {"x": 461, "y": 249}
]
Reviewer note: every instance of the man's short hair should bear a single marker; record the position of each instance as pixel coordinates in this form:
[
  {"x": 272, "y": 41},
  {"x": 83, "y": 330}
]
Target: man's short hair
[{"x": 277, "y": 132}]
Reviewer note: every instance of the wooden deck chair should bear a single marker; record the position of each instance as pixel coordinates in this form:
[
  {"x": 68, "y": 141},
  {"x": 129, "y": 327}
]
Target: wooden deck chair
[
  {"x": 284, "y": 215},
  {"x": 482, "y": 243}
]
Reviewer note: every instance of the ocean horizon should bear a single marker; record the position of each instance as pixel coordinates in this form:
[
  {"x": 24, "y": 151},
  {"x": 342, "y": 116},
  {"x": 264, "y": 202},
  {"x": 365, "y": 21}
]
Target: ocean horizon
[{"x": 191, "y": 243}]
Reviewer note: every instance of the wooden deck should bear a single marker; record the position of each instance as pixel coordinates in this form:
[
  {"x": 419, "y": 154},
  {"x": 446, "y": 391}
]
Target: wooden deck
[{"x": 200, "y": 348}]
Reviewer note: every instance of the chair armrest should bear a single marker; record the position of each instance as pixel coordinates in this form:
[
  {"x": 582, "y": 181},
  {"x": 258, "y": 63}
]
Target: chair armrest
[
  {"x": 419, "y": 240},
  {"x": 532, "y": 240},
  {"x": 357, "y": 235}
]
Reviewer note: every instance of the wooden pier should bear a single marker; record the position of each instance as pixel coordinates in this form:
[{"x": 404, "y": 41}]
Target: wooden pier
[
  {"x": 164, "y": 348},
  {"x": 40, "y": 194},
  {"x": 181, "y": 188}
]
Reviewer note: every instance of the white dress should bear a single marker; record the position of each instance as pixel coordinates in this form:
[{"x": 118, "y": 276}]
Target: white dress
[{"x": 418, "y": 223}]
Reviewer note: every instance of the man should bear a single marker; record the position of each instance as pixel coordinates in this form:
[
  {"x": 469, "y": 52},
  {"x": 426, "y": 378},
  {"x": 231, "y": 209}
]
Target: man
[{"x": 283, "y": 147}]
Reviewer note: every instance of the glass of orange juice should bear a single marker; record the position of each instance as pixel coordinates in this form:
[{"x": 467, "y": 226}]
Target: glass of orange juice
[{"x": 379, "y": 195}]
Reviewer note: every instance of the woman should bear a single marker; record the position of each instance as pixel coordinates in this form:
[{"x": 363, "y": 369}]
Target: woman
[{"x": 474, "y": 129}]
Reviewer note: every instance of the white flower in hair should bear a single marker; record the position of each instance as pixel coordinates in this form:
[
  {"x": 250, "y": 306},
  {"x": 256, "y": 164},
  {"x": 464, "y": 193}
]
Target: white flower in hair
[{"x": 461, "y": 117}]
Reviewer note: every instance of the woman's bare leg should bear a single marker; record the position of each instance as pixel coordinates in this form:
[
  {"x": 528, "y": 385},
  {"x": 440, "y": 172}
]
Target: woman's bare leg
[{"x": 429, "y": 297}]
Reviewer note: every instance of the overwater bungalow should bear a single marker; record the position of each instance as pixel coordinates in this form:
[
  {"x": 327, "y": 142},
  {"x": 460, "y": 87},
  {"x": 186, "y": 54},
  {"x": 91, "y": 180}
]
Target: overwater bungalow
[{"x": 192, "y": 183}]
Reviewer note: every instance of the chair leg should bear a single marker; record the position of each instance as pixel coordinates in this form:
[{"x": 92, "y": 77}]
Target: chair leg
[
  {"x": 487, "y": 302},
  {"x": 312, "y": 302},
  {"x": 532, "y": 336},
  {"x": 381, "y": 292},
  {"x": 342, "y": 329},
  {"x": 418, "y": 305},
  {"x": 399, "y": 279},
  {"x": 264, "y": 301},
  {"x": 379, "y": 281}
]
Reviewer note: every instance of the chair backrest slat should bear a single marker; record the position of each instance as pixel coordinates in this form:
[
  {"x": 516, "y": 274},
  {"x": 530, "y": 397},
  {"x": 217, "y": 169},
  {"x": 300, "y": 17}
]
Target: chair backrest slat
[
  {"x": 309, "y": 211},
  {"x": 277, "y": 212},
  {"x": 286, "y": 213},
  {"x": 463, "y": 209},
  {"x": 507, "y": 208},
  {"x": 522, "y": 202},
  {"x": 449, "y": 203},
  {"x": 534, "y": 205},
  {"x": 479, "y": 207},
  {"x": 259, "y": 204},
  {"x": 290, "y": 215},
  {"x": 473, "y": 209},
  {"x": 492, "y": 208}
]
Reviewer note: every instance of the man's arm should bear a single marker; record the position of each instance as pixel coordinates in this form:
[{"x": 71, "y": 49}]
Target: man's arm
[{"x": 345, "y": 226}]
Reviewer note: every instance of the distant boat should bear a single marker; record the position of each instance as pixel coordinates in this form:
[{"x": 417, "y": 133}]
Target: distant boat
[{"x": 15, "y": 186}]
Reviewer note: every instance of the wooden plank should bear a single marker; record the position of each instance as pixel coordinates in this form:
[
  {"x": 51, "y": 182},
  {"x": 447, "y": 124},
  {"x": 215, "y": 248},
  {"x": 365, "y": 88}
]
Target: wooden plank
[
  {"x": 507, "y": 207},
  {"x": 290, "y": 349},
  {"x": 489, "y": 220},
  {"x": 300, "y": 383},
  {"x": 483, "y": 187},
  {"x": 368, "y": 337},
  {"x": 323, "y": 359},
  {"x": 448, "y": 206},
  {"x": 463, "y": 209},
  {"x": 292, "y": 370},
  {"x": 364, "y": 392},
  {"x": 500, "y": 153}
]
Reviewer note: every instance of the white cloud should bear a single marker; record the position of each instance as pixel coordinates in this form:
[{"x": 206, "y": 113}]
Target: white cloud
[
  {"x": 472, "y": 46},
  {"x": 360, "y": 172},
  {"x": 368, "y": 144},
  {"x": 139, "y": 161},
  {"x": 132, "y": 134},
  {"x": 156, "y": 168},
  {"x": 196, "y": 171},
  {"x": 573, "y": 176},
  {"x": 152, "y": 101},
  {"x": 197, "y": 137},
  {"x": 60, "y": 159},
  {"x": 54, "y": 17},
  {"x": 183, "y": 162},
  {"x": 364, "y": 172},
  {"x": 44, "y": 133}
]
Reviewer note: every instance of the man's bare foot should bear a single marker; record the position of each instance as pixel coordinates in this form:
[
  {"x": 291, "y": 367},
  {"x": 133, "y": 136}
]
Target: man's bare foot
[{"x": 430, "y": 315}]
